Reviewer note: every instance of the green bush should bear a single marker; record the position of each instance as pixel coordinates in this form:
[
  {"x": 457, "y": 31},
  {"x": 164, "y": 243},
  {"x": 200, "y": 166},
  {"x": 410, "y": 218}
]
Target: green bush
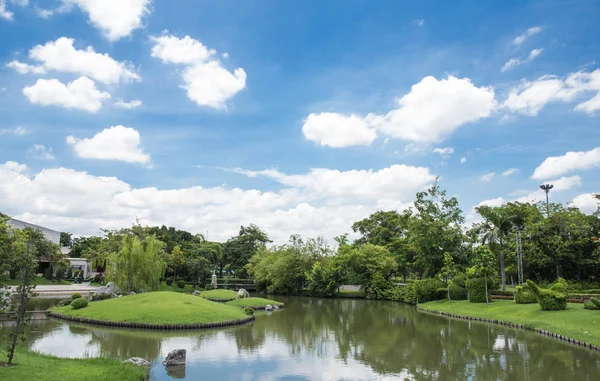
[
  {"x": 379, "y": 287},
  {"x": 75, "y": 295},
  {"x": 459, "y": 280},
  {"x": 100, "y": 297},
  {"x": 169, "y": 281},
  {"x": 560, "y": 285},
  {"x": 48, "y": 273},
  {"x": 592, "y": 304},
  {"x": 66, "y": 302},
  {"x": 595, "y": 302},
  {"x": 180, "y": 284},
  {"x": 429, "y": 289},
  {"x": 549, "y": 300},
  {"x": 405, "y": 294},
  {"x": 476, "y": 289},
  {"x": 79, "y": 303},
  {"x": 249, "y": 311},
  {"x": 60, "y": 273},
  {"x": 457, "y": 292},
  {"x": 69, "y": 273},
  {"x": 522, "y": 296},
  {"x": 98, "y": 278}
]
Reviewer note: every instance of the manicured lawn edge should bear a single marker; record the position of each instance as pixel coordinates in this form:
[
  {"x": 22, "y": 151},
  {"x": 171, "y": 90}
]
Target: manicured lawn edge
[
  {"x": 542, "y": 332},
  {"x": 124, "y": 324},
  {"x": 261, "y": 303},
  {"x": 218, "y": 300}
]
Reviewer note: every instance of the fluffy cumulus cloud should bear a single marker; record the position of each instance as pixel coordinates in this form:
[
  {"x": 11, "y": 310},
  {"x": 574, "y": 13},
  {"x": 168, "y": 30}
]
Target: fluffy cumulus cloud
[
  {"x": 319, "y": 202},
  {"x": 128, "y": 105},
  {"x": 463, "y": 160},
  {"x": 62, "y": 56},
  {"x": 336, "y": 130},
  {"x": 529, "y": 97},
  {"x": 514, "y": 62},
  {"x": 115, "y": 18},
  {"x": 569, "y": 162},
  {"x": 205, "y": 79},
  {"x": 113, "y": 143},
  {"x": 4, "y": 13},
  {"x": 80, "y": 94},
  {"x": 528, "y": 33},
  {"x": 587, "y": 203}
]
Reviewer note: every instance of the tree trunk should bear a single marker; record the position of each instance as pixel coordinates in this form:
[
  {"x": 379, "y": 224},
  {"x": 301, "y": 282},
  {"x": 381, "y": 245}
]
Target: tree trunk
[
  {"x": 502, "y": 273},
  {"x": 448, "y": 288},
  {"x": 20, "y": 314},
  {"x": 557, "y": 270},
  {"x": 486, "y": 292}
]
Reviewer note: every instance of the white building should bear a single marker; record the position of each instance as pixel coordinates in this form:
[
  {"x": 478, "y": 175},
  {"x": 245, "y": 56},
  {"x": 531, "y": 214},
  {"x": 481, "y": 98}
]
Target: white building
[{"x": 51, "y": 235}]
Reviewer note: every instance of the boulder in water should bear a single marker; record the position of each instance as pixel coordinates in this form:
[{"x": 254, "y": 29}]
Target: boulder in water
[{"x": 176, "y": 357}]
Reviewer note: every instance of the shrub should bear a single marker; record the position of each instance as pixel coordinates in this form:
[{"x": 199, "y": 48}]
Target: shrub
[
  {"x": 79, "y": 303},
  {"x": 65, "y": 302},
  {"x": 169, "y": 281},
  {"x": 180, "y": 284},
  {"x": 523, "y": 296},
  {"x": 560, "y": 285},
  {"x": 249, "y": 311},
  {"x": 592, "y": 304},
  {"x": 48, "y": 273},
  {"x": 379, "y": 287},
  {"x": 75, "y": 295},
  {"x": 98, "y": 278},
  {"x": 76, "y": 273},
  {"x": 405, "y": 294},
  {"x": 595, "y": 301},
  {"x": 476, "y": 289},
  {"x": 460, "y": 280},
  {"x": 101, "y": 297},
  {"x": 549, "y": 300},
  {"x": 69, "y": 273},
  {"x": 60, "y": 273},
  {"x": 457, "y": 292},
  {"x": 429, "y": 289}
]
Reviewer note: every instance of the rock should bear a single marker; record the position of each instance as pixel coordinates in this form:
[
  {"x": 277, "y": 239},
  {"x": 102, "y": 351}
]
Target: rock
[
  {"x": 109, "y": 289},
  {"x": 196, "y": 293},
  {"x": 275, "y": 307},
  {"x": 176, "y": 357},
  {"x": 242, "y": 293},
  {"x": 131, "y": 292},
  {"x": 268, "y": 307},
  {"x": 138, "y": 361},
  {"x": 176, "y": 371}
]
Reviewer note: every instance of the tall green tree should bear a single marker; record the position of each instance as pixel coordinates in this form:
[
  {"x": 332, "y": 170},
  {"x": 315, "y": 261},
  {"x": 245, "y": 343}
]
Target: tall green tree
[
  {"x": 448, "y": 270},
  {"x": 66, "y": 239},
  {"x": 238, "y": 250},
  {"x": 484, "y": 265}
]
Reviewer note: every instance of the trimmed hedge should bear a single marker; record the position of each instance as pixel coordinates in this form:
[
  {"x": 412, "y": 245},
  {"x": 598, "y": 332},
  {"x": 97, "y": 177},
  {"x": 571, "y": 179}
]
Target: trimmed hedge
[
  {"x": 405, "y": 294},
  {"x": 476, "y": 289},
  {"x": 65, "y": 302},
  {"x": 75, "y": 295},
  {"x": 593, "y": 304},
  {"x": 522, "y": 296},
  {"x": 79, "y": 303},
  {"x": 249, "y": 311},
  {"x": 549, "y": 300},
  {"x": 169, "y": 281},
  {"x": 560, "y": 285},
  {"x": 457, "y": 292},
  {"x": 430, "y": 289},
  {"x": 180, "y": 284}
]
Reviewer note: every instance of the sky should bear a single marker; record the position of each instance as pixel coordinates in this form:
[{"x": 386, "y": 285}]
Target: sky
[{"x": 300, "y": 117}]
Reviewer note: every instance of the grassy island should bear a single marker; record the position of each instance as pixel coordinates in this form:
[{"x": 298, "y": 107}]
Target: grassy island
[
  {"x": 34, "y": 366},
  {"x": 220, "y": 295},
  {"x": 162, "y": 308},
  {"x": 574, "y": 322},
  {"x": 254, "y": 302}
]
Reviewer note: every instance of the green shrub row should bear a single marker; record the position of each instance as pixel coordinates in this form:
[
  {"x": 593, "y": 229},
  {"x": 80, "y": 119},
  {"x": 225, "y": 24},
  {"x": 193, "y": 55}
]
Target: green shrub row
[
  {"x": 430, "y": 289},
  {"x": 476, "y": 289},
  {"x": 404, "y": 294},
  {"x": 522, "y": 296}
]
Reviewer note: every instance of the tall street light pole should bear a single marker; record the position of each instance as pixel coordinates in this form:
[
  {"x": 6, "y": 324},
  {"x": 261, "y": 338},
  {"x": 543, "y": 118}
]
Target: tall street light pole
[{"x": 546, "y": 188}]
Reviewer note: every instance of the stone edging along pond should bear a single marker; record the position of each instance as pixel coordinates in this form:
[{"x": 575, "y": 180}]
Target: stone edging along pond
[
  {"x": 542, "y": 332},
  {"x": 125, "y": 324}
]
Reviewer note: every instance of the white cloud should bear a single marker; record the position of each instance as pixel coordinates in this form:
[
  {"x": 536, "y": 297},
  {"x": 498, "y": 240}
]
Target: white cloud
[
  {"x": 321, "y": 202},
  {"x": 80, "y": 94},
  {"x": 529, "y": 98},
  {"x": 562, "y": 184},
  {"x": 463, "y": 160},
  {"x": 23, "y": 68},
  {"x": 207, "y": 82},
  {"x": 7, "y": 15},
  {"x": 113, "y": 143},
  {"x": 20, "y": 3},
  {"x": 514, "y": 62},
  {"x": 420, "y": 22},
  {"x": 61, "y": 55},
  {"x": 569, "y": 162},
  {"x": 337, "y": 130},
  {"x": 487, "y": 177},
  {"x": 128, "y": 105},
  {"x": 586, "y": 202},
  {"x": 17, "y": 131},
  {"x": 43, "y": 13},
  {"x": 510, "y": 171},
  {"x": 39, "y": 151},
  {"x": 434, "y": 109},
  {"x": 13, "y": 166},
  {"x": 530, "y": 32},
  {"x": 444, "y": 152},
  {"x": 116, "y": 18}
]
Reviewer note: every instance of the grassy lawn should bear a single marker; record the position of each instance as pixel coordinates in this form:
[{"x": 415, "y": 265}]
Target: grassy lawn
[
  {"x": 219, "y": 294},
  {"x": 163, "y": 287},
  {"x": 574, "y": 322},
  {"x": 157, "y": 308},
  {"x": 254, "y": 302},
  {"x": 38, "y": 281},
  {"x": 350, "y": 294},
  {"x": 33, "y": 366}
]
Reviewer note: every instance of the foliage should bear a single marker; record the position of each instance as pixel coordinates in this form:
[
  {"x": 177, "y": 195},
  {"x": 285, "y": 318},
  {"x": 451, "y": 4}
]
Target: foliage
[
  {"x": 69, "y": 274},
  {"x": 592, "y": 304},
  {"x": 560, "y": 285},
  {"x": 138, "y": 265},
  {"x": 66, "y": 239},
  {"x": 198, "y": 268},
  {"x": 477, "y": 290},
  {"x": 549, "y": 300},
  {"x": 523, "y": 296},
  {"x": 249, "y": 311},
  {"x": 457, "y": 292},
  {"x": 238, "y": 250},
  {"x": 65, "y": 302},
  {"x": 429, "y": 289},
  {"x": 484, "y": 264},
  {"x": 176, "y": 261},
  {"x": 379, "y": 287},
  {"x": 367, "y": 264},
  {"x": 180, "y": 284},
  {"x": 595, "y": 301},
  {"x": 323, "y": 279},
  {"x": 169, "y": 281},
  {"x": 75, "y": 295},
  {"x": 48, "y": 273},
  {"x": 448, "y": 271},
  {"x": 405, "y": 293},
  {"x": 79, "y": 303},
  {"x": 101, "y": 297}
]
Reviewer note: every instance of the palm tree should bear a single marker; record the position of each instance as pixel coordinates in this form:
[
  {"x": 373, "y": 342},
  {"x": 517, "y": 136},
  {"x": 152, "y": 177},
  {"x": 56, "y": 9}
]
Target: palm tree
[{"x": 496, "y": 226}]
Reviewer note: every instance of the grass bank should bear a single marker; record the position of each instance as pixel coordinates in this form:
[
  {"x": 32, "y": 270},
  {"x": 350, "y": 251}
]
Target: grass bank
[
  {"x": 156, "y": 308},
  {"x": 220, "y": 294},
  {"x": 254, "y": 302},
  {"x": 164, "y": 287},
  {"x": 574, "y": 322},
  {"x": 34, "y": 366}
]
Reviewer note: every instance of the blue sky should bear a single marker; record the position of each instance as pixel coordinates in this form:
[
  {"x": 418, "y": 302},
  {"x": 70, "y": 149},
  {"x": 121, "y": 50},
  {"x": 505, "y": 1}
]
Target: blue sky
[{"x": 343, "y": 102}]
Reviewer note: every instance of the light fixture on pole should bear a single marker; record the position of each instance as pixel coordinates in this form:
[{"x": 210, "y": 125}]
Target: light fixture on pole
[{"x": 546, "y": 188}]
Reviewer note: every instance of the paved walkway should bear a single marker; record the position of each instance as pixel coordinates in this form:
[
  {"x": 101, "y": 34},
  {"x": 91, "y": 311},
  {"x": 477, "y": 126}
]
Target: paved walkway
[{"x": 58, "y": 291}]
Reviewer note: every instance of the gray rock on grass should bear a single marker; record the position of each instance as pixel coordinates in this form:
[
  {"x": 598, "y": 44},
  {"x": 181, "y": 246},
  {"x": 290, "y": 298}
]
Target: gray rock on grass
[{"x": 138, "y": 361}]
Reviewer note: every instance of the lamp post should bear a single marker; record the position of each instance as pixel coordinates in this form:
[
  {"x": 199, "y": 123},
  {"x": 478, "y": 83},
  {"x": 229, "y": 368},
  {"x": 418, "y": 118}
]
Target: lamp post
[{"x": 546, "y": 188}]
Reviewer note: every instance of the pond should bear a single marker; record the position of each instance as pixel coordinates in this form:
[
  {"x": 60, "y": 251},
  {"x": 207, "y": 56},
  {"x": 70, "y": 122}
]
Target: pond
[{"x": 333, "y": 339}]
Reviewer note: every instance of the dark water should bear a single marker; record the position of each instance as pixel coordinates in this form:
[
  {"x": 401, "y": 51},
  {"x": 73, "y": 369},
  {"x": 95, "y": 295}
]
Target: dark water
[{"x": 322, "y": 339}]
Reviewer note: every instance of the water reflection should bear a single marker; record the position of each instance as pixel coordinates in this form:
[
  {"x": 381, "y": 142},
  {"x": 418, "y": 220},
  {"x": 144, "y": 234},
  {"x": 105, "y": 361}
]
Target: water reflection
[{"x": 318, "y": 339}]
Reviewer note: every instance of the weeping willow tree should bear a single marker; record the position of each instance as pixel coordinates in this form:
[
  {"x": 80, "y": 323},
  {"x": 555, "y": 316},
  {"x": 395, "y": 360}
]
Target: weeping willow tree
[{"x": 138, "y": 265}]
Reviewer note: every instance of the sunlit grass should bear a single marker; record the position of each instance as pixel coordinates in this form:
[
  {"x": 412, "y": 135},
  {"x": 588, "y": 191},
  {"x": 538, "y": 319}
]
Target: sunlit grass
[
  {"x": 219, "y": 294},
  {"x": 253, "y": 302}
]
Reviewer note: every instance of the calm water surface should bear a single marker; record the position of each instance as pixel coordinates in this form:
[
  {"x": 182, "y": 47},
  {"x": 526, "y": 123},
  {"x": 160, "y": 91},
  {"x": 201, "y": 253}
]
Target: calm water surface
[{"x": 323, "y": 339}]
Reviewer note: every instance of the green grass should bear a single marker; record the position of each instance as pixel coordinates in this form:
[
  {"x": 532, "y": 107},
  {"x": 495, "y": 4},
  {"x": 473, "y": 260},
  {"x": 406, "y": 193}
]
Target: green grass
[
  {"x": 219, "y": 294},
  {"x": 574, "y": 322},
  {"x": 351, "y": 294},
  {"x": 34, "y": 366},
  {"x": 163, "y": 287},
  {"x": 38, "y": 281},
  {"x": 254, "y": 302},
  {"x": 157, "y": 308}
]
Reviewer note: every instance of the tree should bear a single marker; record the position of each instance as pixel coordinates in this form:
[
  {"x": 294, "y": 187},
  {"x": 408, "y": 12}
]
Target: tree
[
  {"x": 324, "y": 278},
  {"x": 368, "y": 262},
  {"x": 448, "y": 270},
  {"x": 238, "y": 250},
  {"x": 484, "y": 265},
  {"x": 66, "y": 239},
  {"x": 496, "y": 226},
  {"x": 176, "y": 261},
  {"x": 138, "y": 265},
  {"x": 198, "y": 268},
  {"x": 86, "y": 247}
]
